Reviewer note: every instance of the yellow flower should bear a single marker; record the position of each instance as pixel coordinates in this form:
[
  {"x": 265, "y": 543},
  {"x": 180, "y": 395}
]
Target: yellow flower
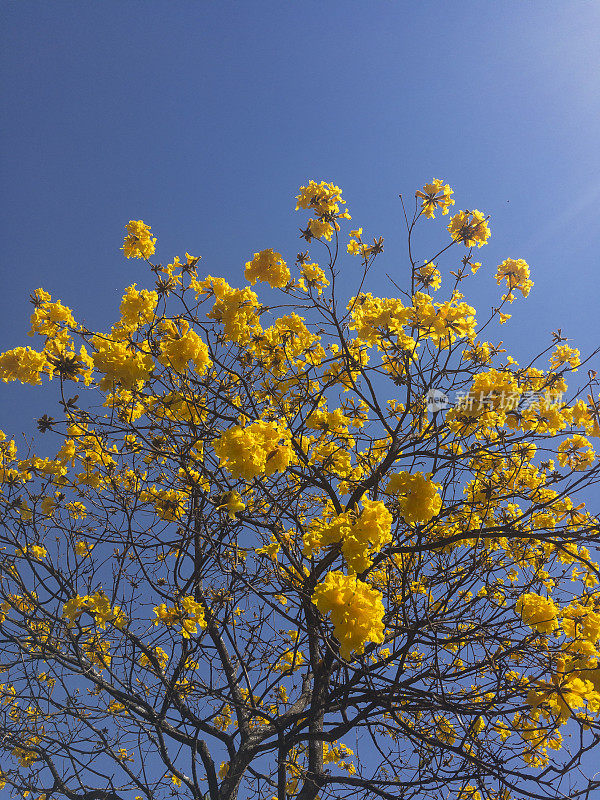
[
  {"x": 236, "y": 309},
  {"x": 355, "y": 609},
  {"x": 324, "y": 198},
  {"x": 223, "y": 769},
  {"x": 36, "y": 550},
  {"x": 361, "y": 537},
  {"x": 470, "y": 228},
  {"x": 232, "y": 503},
  {"x": 188, "y": 613},
  {"x": 576, "y": 453},
  {"x": 320, "y": 229},
  {"x": 538, "y": 612},
  {"x": 268, "y": 266},
  {"x": 138, "y": 242},
  {"x": 428, "y": 276},
  {"x": 83, "y": 549},
  {"x": 120, "y": 363},
  {"x": 160, "y": 656},
  {"x": 74, "y": 608},
  {"x": 565, "y": 355},
  {"x": 419, "y": 500},
  {"x": 169, "y": 504},
  {"x": 22, "y": 364},
  {"x": 181, "y": 345},
  {"x": 370, "y": 532},
  {"x": 260, "y": 448},
  {"x": 48, "y": 506},
  {"x": 516, "y": 274},
  {"x": 313, "y": 277},
  {"x": 50, "y": 318},
  {"x": 98, "y": 605},
  {"x": 137, "y": 307},
  {"x": 445, "y": 731},
  {"x": 435, "y": 195},
  {"x": 338, "y": 753}
]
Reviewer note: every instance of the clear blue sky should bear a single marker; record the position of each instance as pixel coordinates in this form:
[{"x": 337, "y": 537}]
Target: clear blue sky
[{"x": 203, "y": 118}]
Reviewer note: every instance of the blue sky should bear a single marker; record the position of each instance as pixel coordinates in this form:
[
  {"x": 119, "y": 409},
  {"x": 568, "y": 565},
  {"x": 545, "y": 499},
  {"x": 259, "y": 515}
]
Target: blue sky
[{"x": 203, "y": 118}]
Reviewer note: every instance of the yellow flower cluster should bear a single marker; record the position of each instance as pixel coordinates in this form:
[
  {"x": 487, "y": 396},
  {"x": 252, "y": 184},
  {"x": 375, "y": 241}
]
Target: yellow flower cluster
[
  {"x": 569, "y": 690},
  {"x": 312, "y": 277},
  {"x": 83, "y": 548},
  {"x": 586, "y": 417},
  {"x": 35, "y": 550},
  {"x": 576, "y": 452},
  {"x": 48, "y": 317},
  {"x": 292, "y": 658},
  {"x": 232, "y": 503},
  {"x": 268, "y": 266},
  {"x": 372, "y": 315},
  {"x": 137, "y": 308},
  {"x": 581, "y": 621},
  {"x": 96, "y": 604},
  {"x": 56, "y": 322},
  {"x": 181, "y": 345},
  {"x": 120, "y": 363},
  {"x": 516, "y": 274},
  {"x": 356, "y": 246},
  {"x": 381, "y": 320},
  {"x": 443, "y": 323},
  {"x": 334, "y": 460},
  {"x": 22, "y": 364},
  {"x": 435, "y": 195},
  {"x": 138, "y": 242},
  {"x": 169, "y": 504},
  {"x": 333, "y": 421},
  {"x": 370, "y": 532},
  {"x": 355, "y": 609},
  {"x": 541, "y": 417},
  {"x": 495, "y": 386},
  {"x": 539, "y": 613},
  {"x": 187, "y": 613},
  {"x": 445, "y": 730},
  {"x": 360, "y": 537},
  {"x": 470, "y": 228},
  {"x": 159, "y": 654},
  {"x": 494, "y": 394},
  {"x": 565, "y": 355},
  {"x": 428, "y": 276},
  {"x": 257, "y": 449},
  {"x": 419, "y": 501},
  {"x": 339, "y": 754},
  {"x": 236, "y": 309},
  {"x": 27, "y": 757},
  {"x": 325, "y": 199},
  {"x": 43, "y": 466},
  {"x": 97, "y": 651},
  {"x": 285, "y": 343}
]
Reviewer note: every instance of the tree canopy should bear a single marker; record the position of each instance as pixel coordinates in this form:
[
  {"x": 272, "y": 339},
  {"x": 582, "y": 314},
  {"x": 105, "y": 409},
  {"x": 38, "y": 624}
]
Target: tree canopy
[{"x": 313, "y": 544}]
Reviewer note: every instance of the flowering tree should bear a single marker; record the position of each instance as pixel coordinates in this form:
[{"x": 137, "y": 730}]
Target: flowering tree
[{"x": 323, "y": 547}]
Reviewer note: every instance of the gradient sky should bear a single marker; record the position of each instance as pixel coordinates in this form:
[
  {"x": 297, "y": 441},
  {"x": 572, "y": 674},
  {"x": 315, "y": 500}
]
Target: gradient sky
[{"x": 203, "y": 118}]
